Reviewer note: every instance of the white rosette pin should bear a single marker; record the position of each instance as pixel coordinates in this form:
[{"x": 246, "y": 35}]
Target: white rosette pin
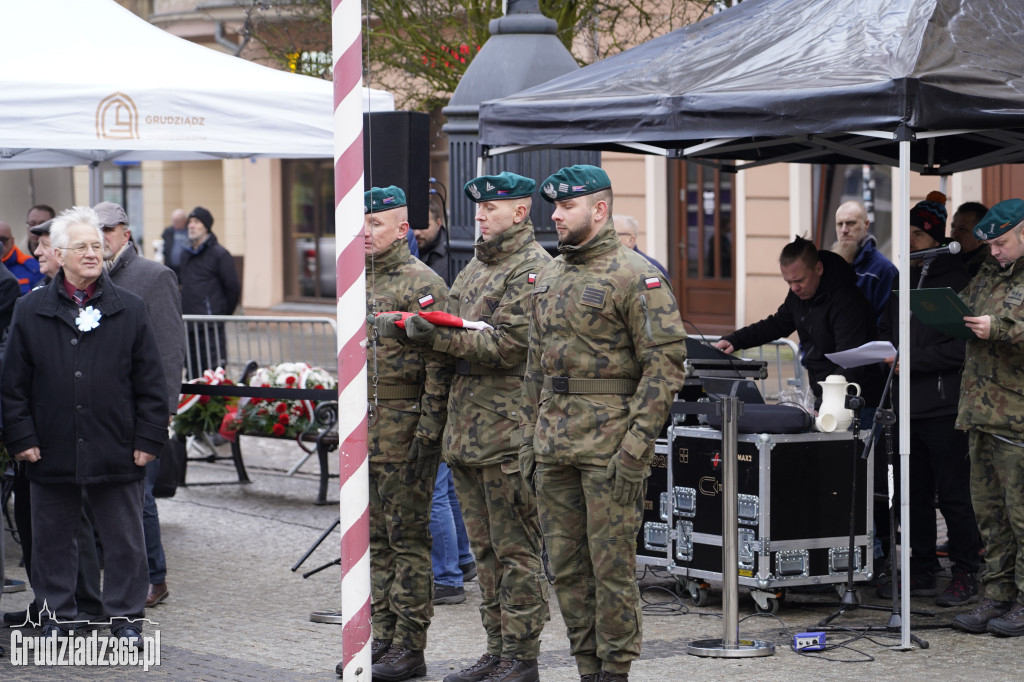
[{"x": 88, "y": 319}]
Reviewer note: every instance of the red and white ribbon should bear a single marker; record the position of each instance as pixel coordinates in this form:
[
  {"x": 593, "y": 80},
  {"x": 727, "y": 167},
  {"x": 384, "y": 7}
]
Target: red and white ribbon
[{"x": 211, "y": 377}]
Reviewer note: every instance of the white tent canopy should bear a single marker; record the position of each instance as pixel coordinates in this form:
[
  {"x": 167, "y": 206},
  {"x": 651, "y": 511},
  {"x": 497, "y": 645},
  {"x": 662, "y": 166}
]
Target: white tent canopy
[{"x": 99, "y": 83}]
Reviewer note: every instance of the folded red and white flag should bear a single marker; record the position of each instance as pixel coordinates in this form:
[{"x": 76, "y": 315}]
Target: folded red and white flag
[{"x": 441, "y": 319}]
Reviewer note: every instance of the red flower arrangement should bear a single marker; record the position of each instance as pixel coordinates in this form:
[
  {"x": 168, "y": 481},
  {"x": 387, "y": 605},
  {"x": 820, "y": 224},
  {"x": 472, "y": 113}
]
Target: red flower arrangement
[{"x": 279, "y": 418}]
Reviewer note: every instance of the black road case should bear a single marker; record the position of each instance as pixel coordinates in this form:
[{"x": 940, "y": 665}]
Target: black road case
[{"x": 793, "y": 511}]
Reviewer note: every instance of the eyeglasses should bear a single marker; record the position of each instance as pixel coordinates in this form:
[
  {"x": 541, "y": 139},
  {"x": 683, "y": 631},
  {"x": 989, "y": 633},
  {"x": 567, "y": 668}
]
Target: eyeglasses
[{"x": 81, "y": 249}]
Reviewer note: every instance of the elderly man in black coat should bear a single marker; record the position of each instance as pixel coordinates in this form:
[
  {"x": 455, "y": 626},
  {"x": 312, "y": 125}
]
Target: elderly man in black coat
[{"x": 85, "y": 407}]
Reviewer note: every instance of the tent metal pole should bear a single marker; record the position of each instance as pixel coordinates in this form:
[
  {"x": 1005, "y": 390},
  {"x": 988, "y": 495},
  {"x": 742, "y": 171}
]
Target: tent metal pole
[
  {"x": 903, "y": 213},
  {"x": 95, "y": 183}
]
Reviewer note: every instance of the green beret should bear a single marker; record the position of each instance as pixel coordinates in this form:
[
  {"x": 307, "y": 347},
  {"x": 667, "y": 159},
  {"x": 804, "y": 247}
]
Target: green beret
[
  {"x": 499, "y": 187},
  {"x": 574, "y": 181},
  {"x": 1000, "y": 219},
  {"x": 383, "y": 199}
]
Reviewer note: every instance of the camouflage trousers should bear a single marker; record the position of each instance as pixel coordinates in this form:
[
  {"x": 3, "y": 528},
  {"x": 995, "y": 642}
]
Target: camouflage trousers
[
  {"x": 500, "y": 514},
  {"x": 997, "y": 492},
  {"x": 591, "y": 543},
  {"x": 402, "y": 585}
]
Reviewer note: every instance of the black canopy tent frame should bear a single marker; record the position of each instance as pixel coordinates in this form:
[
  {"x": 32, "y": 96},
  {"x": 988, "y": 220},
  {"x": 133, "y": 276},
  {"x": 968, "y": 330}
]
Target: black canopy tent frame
[{"x": 930, "y": 86}]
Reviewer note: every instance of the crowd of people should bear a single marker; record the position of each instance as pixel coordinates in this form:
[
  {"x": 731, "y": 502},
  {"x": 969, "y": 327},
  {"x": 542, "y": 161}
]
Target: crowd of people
[
  {"x": 513, "y": 447},
  {"x": 92, "y": 352},
  {"x": 966, "y": 430}
]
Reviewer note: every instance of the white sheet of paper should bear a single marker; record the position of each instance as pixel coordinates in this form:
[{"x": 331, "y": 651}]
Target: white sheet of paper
[{"x": 872, "y": 351}]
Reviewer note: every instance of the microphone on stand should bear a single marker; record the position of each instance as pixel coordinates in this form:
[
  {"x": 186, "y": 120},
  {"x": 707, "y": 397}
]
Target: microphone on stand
[{"x": 952, "y": 247}]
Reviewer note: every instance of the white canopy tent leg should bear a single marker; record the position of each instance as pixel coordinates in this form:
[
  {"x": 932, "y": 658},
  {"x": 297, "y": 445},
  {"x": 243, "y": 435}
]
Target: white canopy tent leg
[
  {"x": 903, "y": 213},
  {"x": 95, "y": 183}
]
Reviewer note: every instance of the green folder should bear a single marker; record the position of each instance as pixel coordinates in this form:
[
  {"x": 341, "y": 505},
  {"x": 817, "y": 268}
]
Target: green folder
[{"x": 941, "y": 309}]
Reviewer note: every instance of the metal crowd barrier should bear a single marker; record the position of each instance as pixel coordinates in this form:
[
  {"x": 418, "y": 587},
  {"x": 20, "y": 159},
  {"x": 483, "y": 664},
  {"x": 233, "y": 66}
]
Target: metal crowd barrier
[
  {"x": 231, "y": 341},
  {"x": 784, "y": 368},
  {"x": 235, "y": 341}
]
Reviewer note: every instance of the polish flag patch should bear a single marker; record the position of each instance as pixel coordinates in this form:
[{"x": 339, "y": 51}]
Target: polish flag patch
[
  {"x": 652, "y": 283},
  {"x": 532, "y": 277},
  {"x": 427, "y": 301}
]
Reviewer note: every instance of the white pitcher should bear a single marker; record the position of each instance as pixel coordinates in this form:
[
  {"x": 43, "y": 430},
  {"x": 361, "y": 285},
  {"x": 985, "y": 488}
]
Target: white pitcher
[{"x": 833, "y": 415}]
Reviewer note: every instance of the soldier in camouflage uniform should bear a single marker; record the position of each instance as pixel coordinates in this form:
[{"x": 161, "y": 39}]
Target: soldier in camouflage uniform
[
  {"x": 482, "y": 437},
  {"x": 408, "y": 391},
  {"x": 606, "y": 360},
  {"x": 992, "y": 410}
]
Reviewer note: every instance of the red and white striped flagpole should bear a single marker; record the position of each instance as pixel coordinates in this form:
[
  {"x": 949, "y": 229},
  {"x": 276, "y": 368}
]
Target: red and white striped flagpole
[{"x": 346, "y": 21}]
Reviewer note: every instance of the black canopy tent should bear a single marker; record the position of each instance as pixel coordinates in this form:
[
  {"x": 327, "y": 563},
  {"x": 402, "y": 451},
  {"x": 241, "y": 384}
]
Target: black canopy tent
[
  {"x": 933, "y": 86},
  {"x": 831, "y": 81}
]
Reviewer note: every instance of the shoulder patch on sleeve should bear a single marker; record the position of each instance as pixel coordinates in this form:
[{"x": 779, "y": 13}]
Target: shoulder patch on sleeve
[
  {"x": 652, "y": 283},
  {"x": 426, "y": 301},
  {"x": 532, "y": 277}
]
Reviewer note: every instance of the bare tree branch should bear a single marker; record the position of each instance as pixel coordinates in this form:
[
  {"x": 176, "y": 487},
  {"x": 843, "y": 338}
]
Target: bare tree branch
[{"x": 419, "y": 49}]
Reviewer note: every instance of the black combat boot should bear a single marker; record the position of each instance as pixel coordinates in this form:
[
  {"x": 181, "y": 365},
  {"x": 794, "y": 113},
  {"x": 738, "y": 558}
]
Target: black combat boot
[
  {"x": 515, "y": 670},
  {"x": 976, "y": 621},
  {"x": 476, "y": 672},
  {"x": 378, "y": 647},
  {"x": 1010, "y": 624},
  {"x": 608, "y": 676},
  {"x": 399, "y": 664}
]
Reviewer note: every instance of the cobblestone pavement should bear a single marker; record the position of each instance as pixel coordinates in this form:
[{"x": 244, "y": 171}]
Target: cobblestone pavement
[{"x": 237, "y": 612}]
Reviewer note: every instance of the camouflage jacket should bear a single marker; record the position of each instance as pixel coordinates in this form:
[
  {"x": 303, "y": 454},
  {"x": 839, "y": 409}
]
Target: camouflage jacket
[
  {"x": 601, "y": 311},
  {"x": 395, "y": 280},
  {"x": 483, "y": 406},
  {"x": 992, "y": 388}
]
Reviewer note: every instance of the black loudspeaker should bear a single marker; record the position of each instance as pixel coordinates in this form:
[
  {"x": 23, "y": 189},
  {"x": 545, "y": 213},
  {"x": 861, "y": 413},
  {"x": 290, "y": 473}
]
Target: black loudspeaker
[{"x": 396, "y": 151}]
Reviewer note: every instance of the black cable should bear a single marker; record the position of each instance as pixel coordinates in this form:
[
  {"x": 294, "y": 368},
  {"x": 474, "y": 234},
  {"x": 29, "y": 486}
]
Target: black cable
[{"x": 673, "y": 606}]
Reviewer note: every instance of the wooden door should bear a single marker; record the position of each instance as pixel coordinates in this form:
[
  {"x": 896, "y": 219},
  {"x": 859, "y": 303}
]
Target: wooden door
[
  {"x": 702, "y": 229},
  {"x": 1001, "y": 182}
]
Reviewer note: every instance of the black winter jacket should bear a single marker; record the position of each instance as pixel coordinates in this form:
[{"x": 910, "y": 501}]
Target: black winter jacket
[
  {"x": 86, "y": 399},
  {"x": 837, "y": 317},
  {"x": 936, "y": 359},
  {"x": 208, "y": 280}
]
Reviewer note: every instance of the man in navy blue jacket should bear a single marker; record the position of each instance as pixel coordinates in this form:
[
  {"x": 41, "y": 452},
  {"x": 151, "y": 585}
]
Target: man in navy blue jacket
[{"x": 876, "y": 275}]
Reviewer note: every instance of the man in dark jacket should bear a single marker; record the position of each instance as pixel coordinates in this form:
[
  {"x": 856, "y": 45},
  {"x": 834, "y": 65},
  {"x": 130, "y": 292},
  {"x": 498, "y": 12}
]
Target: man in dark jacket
[
  {"x": 973, "y": 251},
  {"x": 83, "y": 396},
  {"x": 9, "y": 291},
  {"x": 175, "y": 238},
  {"x": 433, "y": 243},
  {"x": 87, "y": 591},
  {"x": 157, "y": 286},
  {"x": 876, "y": 275},
  {"x": 938, "y": 452},
  {"x": 826, "y": 310},
  {"x": 209, "y": 286}
]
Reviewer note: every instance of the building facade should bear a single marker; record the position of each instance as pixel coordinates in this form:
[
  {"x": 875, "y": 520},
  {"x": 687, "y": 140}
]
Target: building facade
[{"x": 718, "y": 233}]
